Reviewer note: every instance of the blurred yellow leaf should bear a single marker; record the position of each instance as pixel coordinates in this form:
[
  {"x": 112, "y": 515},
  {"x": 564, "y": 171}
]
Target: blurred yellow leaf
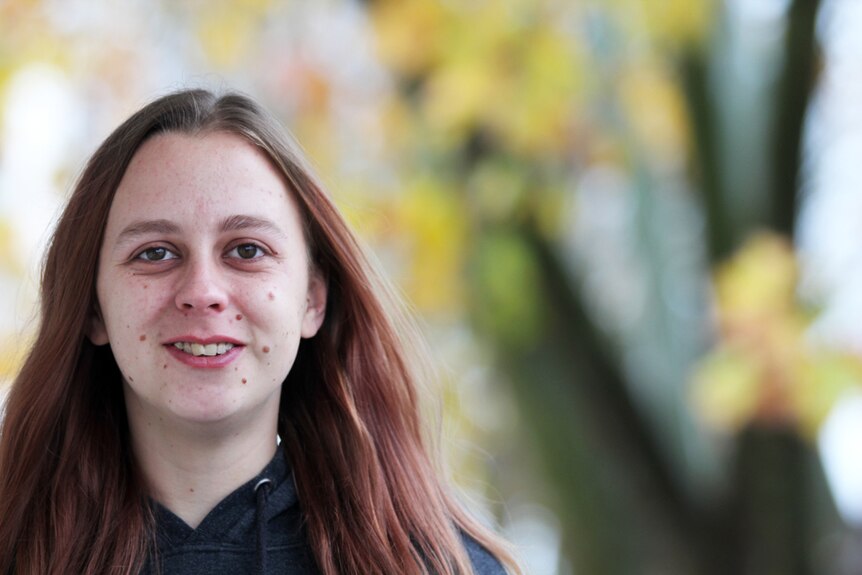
[
  {"x": 823, "y": 379},
  {"x": 11, "y": 357},
  {"x": 659, "y": 27},
  {"x": 457, "y": 94},
  {"x": 409, "y": 33},
  {"x": 726, "y": 390},
  {"x": 539, "y": 92},
  {"x": 760, "y": 280},
  {"x": 431, "y": 220},
  {"x": 655, "y": 109},
  {"x": 679, "y": 22},
  {"x": 763, "y": 369},
  {"x": 10, "y": 260},
  {"x": 226, "y": 29}
]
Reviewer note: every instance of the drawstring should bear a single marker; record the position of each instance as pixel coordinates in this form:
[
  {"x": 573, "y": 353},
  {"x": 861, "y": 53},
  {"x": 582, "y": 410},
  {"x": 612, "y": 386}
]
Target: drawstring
[{"x": 261, "y": 490}]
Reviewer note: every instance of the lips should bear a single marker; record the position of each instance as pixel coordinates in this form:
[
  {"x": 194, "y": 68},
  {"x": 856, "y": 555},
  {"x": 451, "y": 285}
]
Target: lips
[{"x": 210, "y": 352}]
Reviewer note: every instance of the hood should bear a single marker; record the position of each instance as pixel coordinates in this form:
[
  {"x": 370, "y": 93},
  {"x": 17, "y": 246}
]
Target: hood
[{"x": 227, "y": 539}]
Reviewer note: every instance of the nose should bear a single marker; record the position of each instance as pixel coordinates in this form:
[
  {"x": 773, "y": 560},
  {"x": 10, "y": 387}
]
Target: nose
[{"x": 201, "y": 287}]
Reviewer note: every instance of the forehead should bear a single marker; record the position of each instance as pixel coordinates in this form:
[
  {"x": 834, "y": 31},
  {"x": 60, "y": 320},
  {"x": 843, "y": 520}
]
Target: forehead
[{"x": 200, "y": 178}]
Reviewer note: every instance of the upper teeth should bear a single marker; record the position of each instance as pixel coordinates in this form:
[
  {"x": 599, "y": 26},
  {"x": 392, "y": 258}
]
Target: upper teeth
[{"x": 200, "y": 349}]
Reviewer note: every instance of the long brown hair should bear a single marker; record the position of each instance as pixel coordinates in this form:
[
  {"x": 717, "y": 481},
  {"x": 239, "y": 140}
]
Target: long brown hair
[{"x": 71, "y": 497}]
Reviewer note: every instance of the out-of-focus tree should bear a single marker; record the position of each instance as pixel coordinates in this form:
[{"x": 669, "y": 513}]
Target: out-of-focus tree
[
  {"x": 517, "y": 115},
  {"x": 584, "y": 192}
]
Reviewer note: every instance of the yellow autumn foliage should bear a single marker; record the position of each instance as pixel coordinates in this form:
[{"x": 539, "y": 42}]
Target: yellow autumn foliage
[
  {"x": 763, "y": 369},
  {"x": 433, "y": 226},
  {"x": 10, "y": 261},
  {"x": 726, "y": 391},
  {"x": 680, "y": 21},
  {"x": 655, "y": 110},
  {"x": 225, "y": 29},
  {"x": 760, "y": 280},
  {"x": 501, "y": 66},
  {"x": 409, "y": 33},
  {"x": 11, "y": 356},
  {"x": 540, "y": 95},
  {"x": 671, "y": 23}
]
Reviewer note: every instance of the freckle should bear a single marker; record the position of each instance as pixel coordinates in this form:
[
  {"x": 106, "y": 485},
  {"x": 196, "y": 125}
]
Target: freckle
[
  {"x": 244, "y": 381},
  {"x": 146, "y": 286},
  {"x": 239, "y": 317},
  {"x": 131, "y": 379},
  {"x": 165, "y": 366},
  {"x": 143, "y": 337},
  {"x": 271, "y": 296},
  {"x": 191, "y": 490},
  {"x": 236, "y": 369}
]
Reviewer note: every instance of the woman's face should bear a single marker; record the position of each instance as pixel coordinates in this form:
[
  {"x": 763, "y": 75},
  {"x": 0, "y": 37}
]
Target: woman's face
[{"x": 204, "y": 284}]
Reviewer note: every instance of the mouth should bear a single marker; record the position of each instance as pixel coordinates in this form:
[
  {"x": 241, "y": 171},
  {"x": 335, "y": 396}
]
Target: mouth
[
  {"x": 216, "y": 351},
  {"x": 199, "y": 349}
]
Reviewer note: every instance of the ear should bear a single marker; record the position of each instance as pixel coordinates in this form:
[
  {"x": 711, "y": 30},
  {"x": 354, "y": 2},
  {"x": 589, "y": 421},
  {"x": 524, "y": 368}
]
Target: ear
[
  {"x": 315, "y": 304},
  {"x": 96, "y": 331}
]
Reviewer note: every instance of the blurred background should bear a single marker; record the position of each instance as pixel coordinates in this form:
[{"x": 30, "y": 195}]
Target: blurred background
[{"x": 629, "y": 227}]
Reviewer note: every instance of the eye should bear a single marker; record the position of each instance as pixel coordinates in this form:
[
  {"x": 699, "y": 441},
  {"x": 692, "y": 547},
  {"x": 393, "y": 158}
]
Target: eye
[
  {"x": 247, "y": 251},
  {"x": 156, "y": 254}
]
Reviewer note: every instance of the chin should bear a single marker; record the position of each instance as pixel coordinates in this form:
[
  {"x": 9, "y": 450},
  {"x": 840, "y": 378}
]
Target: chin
[{"x": 205, "y": 412}]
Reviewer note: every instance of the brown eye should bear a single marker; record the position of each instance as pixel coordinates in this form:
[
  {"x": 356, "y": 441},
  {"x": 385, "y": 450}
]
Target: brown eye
[
  {"x": 248, "y": 251},
  {"x": 156, "y": 254}
]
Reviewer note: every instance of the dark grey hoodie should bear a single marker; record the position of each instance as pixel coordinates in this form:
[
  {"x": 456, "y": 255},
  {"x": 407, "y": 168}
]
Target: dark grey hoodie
[{"x": 227, "y": 539}]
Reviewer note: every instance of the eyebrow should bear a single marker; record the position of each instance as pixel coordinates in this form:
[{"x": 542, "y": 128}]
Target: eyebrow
[
  {"x": 229, "y": 224},
  {"x": 141, "y": 228},
  {"x": 241, "y": 222}
]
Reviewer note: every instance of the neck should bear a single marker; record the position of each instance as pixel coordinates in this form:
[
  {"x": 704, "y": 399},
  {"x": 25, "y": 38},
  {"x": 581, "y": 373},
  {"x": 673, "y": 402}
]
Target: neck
[{"x": 189, "y": 468}]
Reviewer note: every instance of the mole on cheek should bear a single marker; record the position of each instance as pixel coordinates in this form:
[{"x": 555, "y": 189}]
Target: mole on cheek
[
  {"x": 239, "y": 317},
  {"x": 244, "y": 381},
  {"x": 143, "y": 337},
  {"x": 266, "y": 349}
]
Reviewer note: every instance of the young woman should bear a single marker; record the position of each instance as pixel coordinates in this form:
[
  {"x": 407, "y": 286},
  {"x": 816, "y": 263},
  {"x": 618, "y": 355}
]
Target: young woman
[{"x": 202, "y": 298}]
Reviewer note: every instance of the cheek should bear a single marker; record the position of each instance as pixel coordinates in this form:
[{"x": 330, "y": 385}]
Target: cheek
[
  {"x": 129, "y": 309},
  {"x": 278, "y": 314}
]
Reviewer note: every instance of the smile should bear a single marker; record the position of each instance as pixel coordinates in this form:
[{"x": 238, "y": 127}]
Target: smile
[{"x": 198, "y": 349}]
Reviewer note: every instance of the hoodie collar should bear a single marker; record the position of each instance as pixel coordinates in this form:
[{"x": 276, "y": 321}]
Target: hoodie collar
[{"x": 233, "y": 518}]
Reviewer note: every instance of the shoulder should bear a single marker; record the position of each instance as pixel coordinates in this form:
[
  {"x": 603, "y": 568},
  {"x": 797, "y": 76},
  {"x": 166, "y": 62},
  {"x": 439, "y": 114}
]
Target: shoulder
[{"x": 484, "y": 563}]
